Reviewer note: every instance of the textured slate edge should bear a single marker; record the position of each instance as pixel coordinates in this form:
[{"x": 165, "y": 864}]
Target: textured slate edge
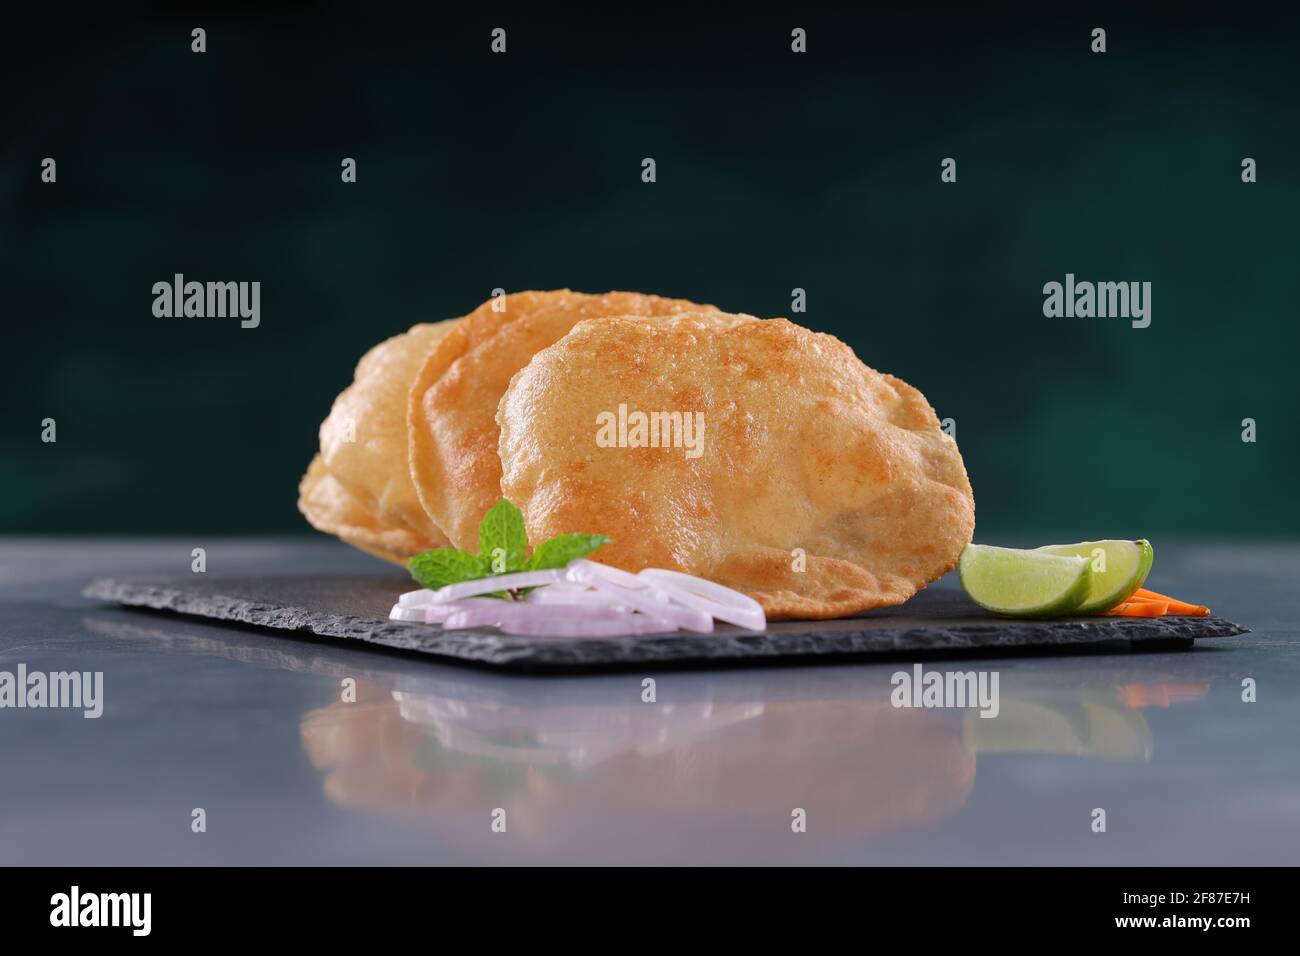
[{"x": 532, "y": 653}]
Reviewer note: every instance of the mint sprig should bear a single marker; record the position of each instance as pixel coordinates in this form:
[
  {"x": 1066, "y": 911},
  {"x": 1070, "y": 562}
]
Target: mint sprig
[
  {"x": 564, "y": 548},
  {"x": 502, "y": 527},
  {"x": 442, "y": 566},
  {"x": 503, "y": 549}
]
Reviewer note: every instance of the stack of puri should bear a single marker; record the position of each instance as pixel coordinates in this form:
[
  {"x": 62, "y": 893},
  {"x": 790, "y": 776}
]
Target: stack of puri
[{"x": 814, "y": 483}]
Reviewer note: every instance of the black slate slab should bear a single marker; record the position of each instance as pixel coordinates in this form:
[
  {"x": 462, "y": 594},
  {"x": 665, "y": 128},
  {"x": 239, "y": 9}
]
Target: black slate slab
[{"x": 939, "y": 620}]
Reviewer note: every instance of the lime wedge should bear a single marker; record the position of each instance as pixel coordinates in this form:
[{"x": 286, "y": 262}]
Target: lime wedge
[
  {"x": 1023, "y": 583},
  {"x": 1118, "y": 569}
]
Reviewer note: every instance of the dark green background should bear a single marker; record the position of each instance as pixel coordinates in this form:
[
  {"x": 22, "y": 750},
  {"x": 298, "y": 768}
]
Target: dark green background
[{"x": 774, "y": 171}]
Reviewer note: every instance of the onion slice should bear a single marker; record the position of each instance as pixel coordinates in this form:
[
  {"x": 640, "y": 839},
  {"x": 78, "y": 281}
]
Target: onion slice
[
  {"x": 422, "y": 597},
  {"x": 587, "y": 627},
  {"x": 582, "y": 570},
  {"x": 497, "y": 582},
  {"x": 438, "y": 613},
  {"x": 569, "y": 594},
  {"x": 651, "y": 600},
  {"x": 517, "y": 614},
  {"x": 585, "y": 599},
  {"x": 400, "y": 613},
  {"x": 710, "y": 597}
]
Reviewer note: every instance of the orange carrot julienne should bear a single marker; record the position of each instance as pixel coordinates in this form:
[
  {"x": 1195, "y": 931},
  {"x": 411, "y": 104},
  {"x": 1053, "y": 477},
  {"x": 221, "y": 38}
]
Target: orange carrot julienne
[
  {"x": 1140, "y": 609},
  {"x": 1138, "y": 599},
  {"x": 1175, "y": 606}
]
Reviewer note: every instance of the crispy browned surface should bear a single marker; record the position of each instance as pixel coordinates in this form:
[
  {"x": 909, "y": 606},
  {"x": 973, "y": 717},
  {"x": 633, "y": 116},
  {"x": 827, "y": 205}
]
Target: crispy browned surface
[
  {"x": 331, "y": 508},
  {"x": 806, "y": 451},
  {"x": 373, "y": 467},
  {"x": 454, "y": 398}
]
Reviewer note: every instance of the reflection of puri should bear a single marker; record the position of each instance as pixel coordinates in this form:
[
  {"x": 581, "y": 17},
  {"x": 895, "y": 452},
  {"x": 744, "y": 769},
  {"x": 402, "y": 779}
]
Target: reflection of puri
[
  {"x": 567, "y": 736},
  {"x": 369, "y": 754},
  {"x": 857, "y": 767},
  {"x": 591, "y": 784}
]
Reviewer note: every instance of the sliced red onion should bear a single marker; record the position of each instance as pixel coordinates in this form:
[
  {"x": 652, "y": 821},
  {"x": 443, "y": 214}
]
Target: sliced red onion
[
  {"x": 580, "y": 627},
  {"x": 561, "y": 587},
  {"x": 649, "y": 599},
  {"x": 489, "y": 613},
  {"x": 438, "y": 613},
  {"x": 399, "y": 613},
  {"x": 497, "y": 582},
  {"x": 586, "y": 599},
  {"x": 572, "y": 594},
  {"x": 712, "y": 589},
  {"x": 581, "y": 570},
  {"x": 565, "y": 598},
  {"x": 474, "y": 617},
  {"x": 422, "y": 597},
  {"x": 710, "y": 597},
  {"x": 517, "y": 614}
]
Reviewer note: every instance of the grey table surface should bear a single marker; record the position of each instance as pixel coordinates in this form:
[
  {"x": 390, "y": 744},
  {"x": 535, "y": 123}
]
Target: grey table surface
[{"x": 251, "y": 727}]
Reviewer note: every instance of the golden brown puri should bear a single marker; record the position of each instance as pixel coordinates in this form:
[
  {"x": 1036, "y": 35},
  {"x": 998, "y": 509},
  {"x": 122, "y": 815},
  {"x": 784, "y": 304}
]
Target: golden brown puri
[
  {"x": 822, "y": 487},
  {"x": 331, "y": 508},
  {"x": 454, "y": 398},
  {"x": 363, "y": 441}
]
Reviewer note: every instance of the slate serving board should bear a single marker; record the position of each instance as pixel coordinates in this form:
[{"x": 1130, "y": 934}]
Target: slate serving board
[{"x": 939, "y": 620}]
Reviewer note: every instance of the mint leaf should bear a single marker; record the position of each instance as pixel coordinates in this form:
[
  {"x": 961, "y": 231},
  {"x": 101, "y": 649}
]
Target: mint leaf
[
  {"x": 564, "y": 548},
  {"x": 500, "y": 561},
  {"x": 442, "y": 566},
  {"x": 502, "y": 527},
  {"x": 503, "y": 542}
]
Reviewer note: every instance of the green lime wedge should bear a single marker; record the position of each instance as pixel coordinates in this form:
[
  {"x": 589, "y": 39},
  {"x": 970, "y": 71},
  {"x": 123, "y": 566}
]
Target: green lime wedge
[
  {"x": 1023, "y": 583},
  {"x": 1118, "y": 569}
]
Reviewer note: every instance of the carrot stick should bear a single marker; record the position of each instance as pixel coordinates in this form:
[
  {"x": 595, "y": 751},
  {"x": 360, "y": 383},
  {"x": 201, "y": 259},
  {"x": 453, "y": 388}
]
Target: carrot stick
[
  {"x": 1175, "y": 606},
  {"x": 1140, "y": 609}
]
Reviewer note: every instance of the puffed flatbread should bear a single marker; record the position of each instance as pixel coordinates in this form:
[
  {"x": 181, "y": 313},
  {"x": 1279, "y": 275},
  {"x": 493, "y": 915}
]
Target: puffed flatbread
[
  {"x": 363, "y": 441},
  {"x": 822, "y": 487},
  {"x": 453, "y": 401},
  {"x": 328, "y": 506}
]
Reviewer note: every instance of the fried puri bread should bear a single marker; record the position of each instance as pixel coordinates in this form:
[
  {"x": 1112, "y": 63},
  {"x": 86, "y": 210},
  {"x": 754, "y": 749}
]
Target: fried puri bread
[
  {"x": 363, "y": 442},
  {"x": 453, "y": 399},
  {"x": 330, "y": 507},
  {"x": 814, "y": 483}
]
